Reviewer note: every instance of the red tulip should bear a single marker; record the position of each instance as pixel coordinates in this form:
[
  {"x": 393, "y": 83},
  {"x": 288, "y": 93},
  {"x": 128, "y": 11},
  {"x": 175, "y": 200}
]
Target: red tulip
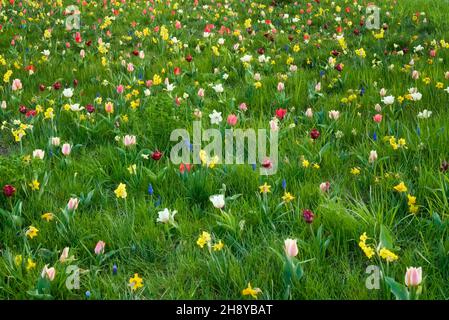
[
  {"x": 189, "y": 58},
  {"x": 314, "y": 134},
  {"x": 308, "y": 215},
  {"x": 280, "y": 113},
  {"x": 9, "y": 190},
  {"x": 156, "y": 155}
]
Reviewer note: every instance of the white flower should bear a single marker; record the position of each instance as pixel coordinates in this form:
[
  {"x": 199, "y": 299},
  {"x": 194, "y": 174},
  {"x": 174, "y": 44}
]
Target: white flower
[
  {"x": 76, "y": 107},
  {"x": 170, "y": 87},
  {"x": 418, "y": 48},
  {"x": 218, "y": 88},
  {"x": 68, "y": 92},
  {"x": 166, "y": 216},
  {"x": 225, "y": 76},
  {"x": 46, "y": 53},
  {"x": 215, "y": 117},
  {"x": 246, "y": 58},
  {"x": 39, "y": 154},
  {"x": 147, "y": 92},
  {"x": 425, "y": 114},
  {"x": 221, "y": 41},
  {"x": 388, "y": 100},
  {"x": 217, "y": 200},
  {"x": 334, "y": 114}
]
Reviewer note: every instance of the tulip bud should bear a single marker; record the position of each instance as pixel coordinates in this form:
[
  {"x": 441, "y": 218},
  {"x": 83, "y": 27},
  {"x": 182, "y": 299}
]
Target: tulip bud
[
  {"x": 413, "y": 277},
  {"x": 291, "y": 248}
]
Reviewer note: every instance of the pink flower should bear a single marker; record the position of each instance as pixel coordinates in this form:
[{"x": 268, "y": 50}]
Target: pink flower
[
  {"x": 178, "y": 25},
  {"x": 64, "y": 255},
  {"x": 16, "y": 85},
  {"x": 243, "y": 106},
  {"x": 130, "y": 67},
  {"x": 291, "y": 248},
  {"x": 377, "y": 118},
  {"x": 129, "y": 140},
  {"x": 281, "y": 86},
  {"x": 309, "y": 113},
  {"x": 433, "y": 53},
  {"x": 318, "y": 87},
  {"x": 232, "y": 119},
  {"x": 120, "y": 89},
  {"x": 201, "y": 93},
  {"x": 413, "y": 277},
  {"x": 99, "y": 248},
  {"x": 48, "y": 273},
  {"x": 73, "y": 204},
  {"x": 334, "y": 114},
  {"x": 66, "y": 149},
  {"x": 82, "y": 53},
  {"x": 325, "y": 186}
]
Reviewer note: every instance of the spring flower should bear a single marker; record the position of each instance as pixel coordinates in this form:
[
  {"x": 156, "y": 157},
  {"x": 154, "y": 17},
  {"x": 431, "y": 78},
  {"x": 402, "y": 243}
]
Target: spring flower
[
  {"x": 215, "y": 117},
  {"x": 120, "y": 192},
  {"x": 99, "y": 247},
  {"x": 377, "y": 118},
  {"x": 265, "y": 188},
  {"x": 309, "y": 113},
  {"x": 16, "y": 85},
  {"x": 203, "y": 239},
  {"x": 68, "y": 92},
  {"x": 218, "y": 246},
  {"x": 355, "y": 171},
  {"x": 9, "y": 190},
  {"x": 388, "y": 255},
  {"x": 66, "y": 149},
  {"x": 129, "y": 140},
  {"x": 401, "y": 187},
  {"x": 372, "y": 156},
  {"x": 30, "y": 264},
  {"x": 280, "y": 113},
  {"x": 232, "y": 120},
  {"x": 72, "y": 204},
  {"x": 34, "y": 185},
  {"x": 48, "y": 216},
  {"x": 413, "y": 277},
  {"x": 367, "y": 249},
  {"x": 291, "y": 248},
  {"x": 280, "y": 86},
  {"x": 48, "y": 273},
  {"x": 31, "y": 232},
  {"x": 64, "y": 255},
  {"x": 288, "y": 197},
  {"x": 314, "y": 134},
  {"x": 55, "y": 141},
  {"x": 388, "y": 100},
  {"x": 109, "y": 107},
  {"x": 334, "y": 115},
  {"x": 38, "y": 154},
  {"x": 135, "y": 282},
  {"x": 218, "y": 201},
  {"x": 325, "y": 186},
  {"x": 250, "y": 291},
  {"x": 166, "y": 216},
  {"x": 308, "y": 216}
]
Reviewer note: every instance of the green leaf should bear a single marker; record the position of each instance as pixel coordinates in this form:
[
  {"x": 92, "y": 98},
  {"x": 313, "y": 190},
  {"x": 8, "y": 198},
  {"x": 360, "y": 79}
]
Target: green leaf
[
  {"x": 385, "y": 238},
  {"x": 399, "y": 290}
]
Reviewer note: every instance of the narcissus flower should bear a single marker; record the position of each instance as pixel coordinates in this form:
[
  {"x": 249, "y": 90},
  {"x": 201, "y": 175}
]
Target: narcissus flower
[
  {"x": 135, "y": 282},
  {"x": 401, "y": 187},
  {"x": 48, "y": 216},
  {"x": 265, "y": 188},
  {"x": 250, "y": 291},
  {"x": 120, "y": 192},
  {"x": 203, "y": 239},
  {"x": 31, "y": 232}
]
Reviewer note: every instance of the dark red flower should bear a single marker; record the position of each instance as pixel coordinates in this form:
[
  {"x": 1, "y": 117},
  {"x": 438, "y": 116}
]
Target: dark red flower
[
  {"x": 75, "y": 82},
  {"x": 57, "y": 85},
  {"x": 339, "y": 67},
  {"x": 308, "y": 215},
  {"x": 9, "y": 190},
  {"x": 156, "y": 155},
  {"x": 335, "y": 53},
  {"x": 90, "y": 108},
  {"x": 189, "y": 58},
  {"x": 267, "y": 164},
  {"x": 136, "y": 53},
  {"x": 23, "y": 109},
  {"x": 261, "y": 51},
  {"x": 314, "y": 134},
  {"x": 42, "y": 87},
  {"x": 280, "y": 113}
]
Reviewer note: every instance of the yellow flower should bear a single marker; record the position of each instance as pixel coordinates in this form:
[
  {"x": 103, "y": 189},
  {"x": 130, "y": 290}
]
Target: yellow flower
[
  {"x": 120, "y": 192},
  {"x": 355, "y": 171},
  {"x": 132, "y": 169},
  {"x": 363, "y": 237},
  {"x": 388, "y": 255},
  {"x": 411, "y": 199},
  {"x": 31, "y": 232},
  {"x": 203, "y": 239},
  {"x": 18, "y": 260},
  {"x": 34, "y": 185},
  {"x": 48, "y": 216},
  {"x": 305, "y": 163},
  {"x": 287, "y": 197},
  {"x": 250, "y": 291},
  {"x": 157, "y": 79},
  {"x": 218, "y": 246},
  {"x": 135, "y": 282},
  {"x": 30, "y": 264},
  {"x": 296, "y": 48},
  {"x": 360, "y": 52},
  {"x": 401, "y": 187},
  {"x": 265, "y": 188},
  {"x": 413, "y": 209}
]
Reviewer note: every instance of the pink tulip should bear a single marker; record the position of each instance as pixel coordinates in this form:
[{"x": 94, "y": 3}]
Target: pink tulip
[
  {"x": 99, "y": 248},
  {"x": 309, "y": 113},
  {"x": 66, "y": 149},
  {"x": 377, "y": 118},
  {"x": 291, "y": 248},
  {"x": 201, "y": 93},
  {"x": 232, "y": 119},
  {"x": 413, "y": 277},
  {"x": 243, "y": 106},
  {"x": 325, "y": 186},
  {"x": 129, "y": 140},
  {"x": 120, "y": 89},
  {"x": 73, "y": 204},
  {"x": 64, "y": 255},
  {"x": 372, "y": 156},
  {"x": 16, "y": 85},
  {"x": 415, "y": 75},
  {"x": 281, "y": 86},
  {"x": 48, "y": 273}
]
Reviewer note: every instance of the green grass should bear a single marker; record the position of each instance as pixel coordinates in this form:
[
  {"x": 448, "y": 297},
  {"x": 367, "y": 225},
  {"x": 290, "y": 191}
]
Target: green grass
[{"x": 168, "y": 259}]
